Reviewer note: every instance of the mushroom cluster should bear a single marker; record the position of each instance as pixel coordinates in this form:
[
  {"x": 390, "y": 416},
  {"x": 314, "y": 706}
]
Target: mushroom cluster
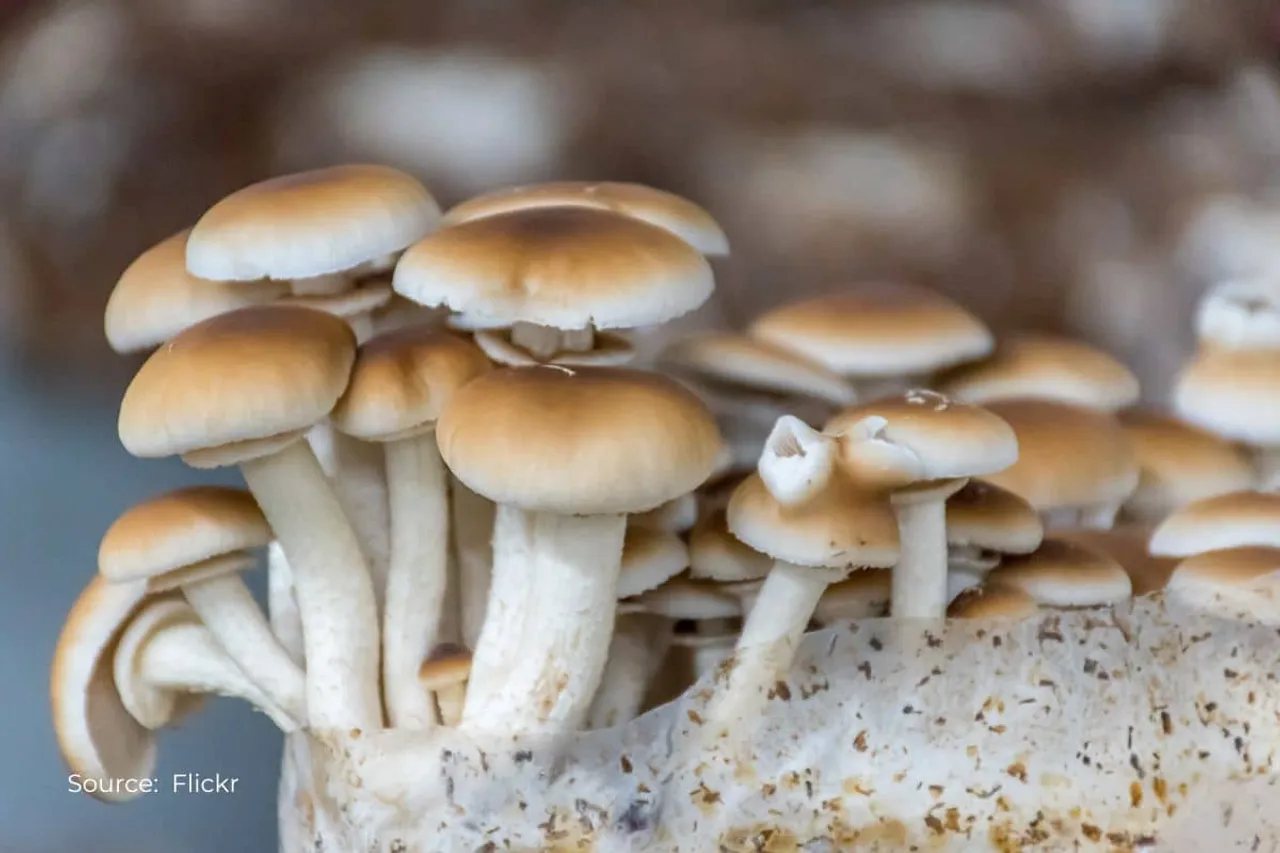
[{"x": 482, "y": 510}]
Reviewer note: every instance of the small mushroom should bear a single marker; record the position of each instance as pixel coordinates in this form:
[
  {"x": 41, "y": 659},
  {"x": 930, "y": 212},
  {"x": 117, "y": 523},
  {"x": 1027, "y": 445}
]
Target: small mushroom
[
  {"x": 1062, "y": 573},
  {"x": 565, "y": 454},
  {"x": 862, "y": 595},
  {"x": 985, "y": 522},
  {"x": 713, "y": 611},
  {"x": 922, "y": 446},
  {"x": 400, "y": 384},
  {"x": 994, "y": 601},
  {"x": 1232, "y": 583},
  {"x": 444, "y": 675},
  {"x": 677, "y": 515},
  {"x": 243, "y": 389},
  {"x": 1232, "y": 520},
  {"x": 1127, "y": 545},
  {"x": 197, "y": 539},
  {"x": 1044, "y": 367}
]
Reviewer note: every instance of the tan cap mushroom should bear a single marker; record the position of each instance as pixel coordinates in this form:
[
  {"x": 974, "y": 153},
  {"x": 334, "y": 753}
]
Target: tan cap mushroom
[
  {"x": 1075, "y": 465},
  {"x": 1127, "y": 545},
  {"x": 1180, "y": 463},
  {"x": 548, "y": 271},
  {"x": 1235, "y": 583},
  {"x": 715, "y": 554},
  {"x": 1222, "y": 521},
  {"x": 984, "y": 522},
  {"x": 862, "y": 595},
  {"x": 444, "y": 674},
  {"x": 677, "y": 515},
  {"x": 400, "y": 384},
  {"x": 311, "y": 224},
  {"x": 155, "y": 298},
  {"x": 753, "y": 365},
  {"x": 1063, "y": 573},
  {"x": 242, "y": 389},
  {"x": 565, "y": 453},
  {"x": 649, "y": 559},
  {"x": 1235, "y": 394},
  {"x": 1045, "y": 367},
  {"x": 923, "y": 445},
  {"x": 196, "y": 539},
  {"x": 666, "y": 210},
  {"x": 877, "y": 329},
  {"x": 993, "y": 602}
]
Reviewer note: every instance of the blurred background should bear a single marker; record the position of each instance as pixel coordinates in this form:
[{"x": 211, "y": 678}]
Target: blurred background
[{"x": 1076, "y": 165}]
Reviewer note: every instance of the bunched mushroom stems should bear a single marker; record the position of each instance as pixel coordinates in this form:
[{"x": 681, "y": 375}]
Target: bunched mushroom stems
[
  {"x": 418, "y": 576},
  {"x": 543, "y": 342},
  {"x": 640, "y": 643},
  {"x": 562, "y": 645},
  {"x": 332, "y": 585}
]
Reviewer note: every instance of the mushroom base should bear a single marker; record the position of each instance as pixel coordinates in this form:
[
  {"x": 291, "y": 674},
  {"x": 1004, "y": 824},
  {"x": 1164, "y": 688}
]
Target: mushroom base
[{"x": 887, "y": 736}]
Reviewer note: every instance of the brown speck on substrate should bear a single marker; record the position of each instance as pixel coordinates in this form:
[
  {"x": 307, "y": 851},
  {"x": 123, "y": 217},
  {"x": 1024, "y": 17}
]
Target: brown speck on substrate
[
  {"x": 860, "y": 742},
  {"x": 624, "y": 763},
  {"x": 694, "y": 718},
  {"x": 1017, "y": 770},
  {"x": 1135, "y": 794}
]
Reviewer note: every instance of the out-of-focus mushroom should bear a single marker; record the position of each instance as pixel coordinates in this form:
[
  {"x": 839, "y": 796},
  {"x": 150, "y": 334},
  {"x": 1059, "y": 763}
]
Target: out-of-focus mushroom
[
  {"x": 1232, "y": 520},
  {"x": 399, "y": 385},
  {"x": 712, "y": 615},
  {"x": 666, "y": 210},
  {"x": 993, "y": 602},
  {"x": 156, "y": 298},
  {"x": 444, "y": 675},
  {"x": 1063, "y": 573},
  {"x": 677, "y": 515},
  {"x": 197, "y": 540},
  {"x": 1179, "y": 464},
  {"x": 1045, "y": 367},
  {"x": 985, "y": 522},
  {"x": 884, "y": 337},
  {"x": 1127, "y": 545},
  {"x": 635, "y": 440},
  {"x": 243, "y": 389},
  {"x": 1233, "y": 583},
  {"x": 1076, "y": 466},
  {"x": 862, "y": 595},
  {"x": 922, "y": 446},
  {"x": 356, "y": 306}
]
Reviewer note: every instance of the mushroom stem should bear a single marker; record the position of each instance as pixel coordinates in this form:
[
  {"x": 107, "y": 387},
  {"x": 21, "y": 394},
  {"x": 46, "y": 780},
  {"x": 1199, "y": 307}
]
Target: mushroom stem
[
  {"x": 920, "y": 578},
  {"x": 282, "y": 606},
  {"x": 417, "y": 578},
  {"x": 640, "y": 642},
  {"x": 543, "y": 342},
  {"x": 783, "y": 609},
  {"x": 360, "y": 481},
  {"x": 186, "y": 658},
  {"x": 1061, "y": 518},
  {"x": 710, "y": 653},
  {"x": 228, "y": 610},
  {"x": 331, "y": 284},
  {"x": 574, "y": 563},
  {"x": 332, "y": 585},
  {"x": 472, "y": 518}
]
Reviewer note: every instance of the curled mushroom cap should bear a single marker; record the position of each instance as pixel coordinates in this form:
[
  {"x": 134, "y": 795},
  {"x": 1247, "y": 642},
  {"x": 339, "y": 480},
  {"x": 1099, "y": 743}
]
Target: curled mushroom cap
[
  {"x": 1068, "y": 456},
  {"x": 156, "y": 298},
  {"x": 311, "y": 224},
  {"x": 562, "y": 267},
  {"x": 743, "y": 362},
  {"x": 179, "y": 529},
  {"x": 1127, "y": 544},
  {"x": 666, "y": 210},
  {"x": 1240, "y": 314},
  {"x": 921, "y": 436},
  {"x": 983, "y": 515},
  {"x": 649, "y": 559},
  {"x": 253, "y": 376},
  {"x": 1046, "y": 367},
  {"x": 715, "y": 554},
  {"x": 993, "y": 601},
  {"x": 877, "y": 329},
  {"x": 1062, "y": 573},
  {"x": 1181, "y": 463},
  {"x": 580, "y": 440},
  {"x": 97, "y": 736},
  {"x": 1223, "y": 521},
  {"x": 1232, "y": 393}
]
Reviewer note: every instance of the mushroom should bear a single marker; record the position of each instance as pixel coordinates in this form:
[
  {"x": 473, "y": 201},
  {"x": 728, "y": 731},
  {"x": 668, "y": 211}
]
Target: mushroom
[
  {"x": 993, "y": 602},
  {"x": 1232, "y": 520},
  {"x": 882, "y": 336},
  {"x": 1127, "y": 545},
  {"x": 444, "y": 675},
  {"x": 678, "y": 515},
  {"x": 657, "y": 207},
  {"x": 156, "y": 298},
  {"x": 1076, "y": 466},
  {"x": 165, "y": 654},
  {"x": 556, "y": 275},
  {"x": 1232, "y": 583},
  {"x": 1062, "y": 573},
  {"x": 400, "y": 384},
  {"x": 1179, "y": 464},
  {"x": 607, "y": 350},
  {"x": 197, "y": 539},
  {"x": 356, "y": 306},
  {"x": 1046, "y": 367},
  {"x": 862, "y": 595},
  {"x": 922, "y": 446},
  {"x": 565, "y": 454},
  {"x": 243, "y": 389},
  {"x": 714, "y": 611},
  {"x": 984, "y": 522}
]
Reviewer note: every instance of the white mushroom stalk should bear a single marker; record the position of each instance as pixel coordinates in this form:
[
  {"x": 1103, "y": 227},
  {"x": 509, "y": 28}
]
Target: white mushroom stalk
[
  {"x": 919, "y": 588},
  {"x": 472, "y": 521},
  {"x": 640, "y": 644},
  {"x": 282, "y": 604},
  {"x": 360, "y": 481}
]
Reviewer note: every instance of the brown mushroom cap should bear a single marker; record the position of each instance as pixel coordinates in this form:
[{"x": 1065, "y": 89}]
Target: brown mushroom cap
[
  {"x": 245, "y": 376},
  {"x": 1232, "y": 393},
  {"x": 1239, "y": 568},
  {"x": 446, "y": 666},
  {"x": 401, "y": 382},
  {"x": 311, "y": 224},
  {"x": 992, "y": 602},
  {"x": 580, "y": 440},
  {"x": 1181, "y": 463},
  {"x": 563, "y": 267},
  {"x": 1127, "y": 544},
  {"x": 877, "y": 329},
  {"x": 156, "y": 298},
  {"x": 983, "y": 515},
  {"x": 669, "y": 211},
  {"x": 1045, "y": 367},
  {"x": 1068, "y": 456},
  {"x": 1232, "y": 520},
  {"x": 742, "y": 362},
  {"x": 1062, "y": 573}
]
